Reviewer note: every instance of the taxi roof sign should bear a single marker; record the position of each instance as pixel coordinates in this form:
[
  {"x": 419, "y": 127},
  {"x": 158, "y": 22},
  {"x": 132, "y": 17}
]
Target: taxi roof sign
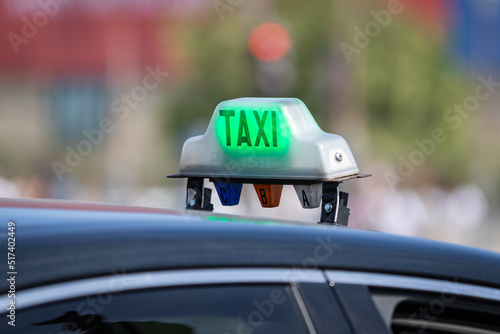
[
  {"x": 268, "y": 142},
  {"x": 266, "y": 138}
]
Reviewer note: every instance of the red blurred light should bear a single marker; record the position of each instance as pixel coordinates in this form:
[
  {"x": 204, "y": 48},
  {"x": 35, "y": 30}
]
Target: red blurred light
[{"x": 269, "y": 41}]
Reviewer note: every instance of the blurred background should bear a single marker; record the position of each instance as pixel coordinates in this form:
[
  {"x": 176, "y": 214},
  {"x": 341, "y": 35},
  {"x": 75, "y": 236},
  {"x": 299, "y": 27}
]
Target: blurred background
[{"x": 97, "y": 98}]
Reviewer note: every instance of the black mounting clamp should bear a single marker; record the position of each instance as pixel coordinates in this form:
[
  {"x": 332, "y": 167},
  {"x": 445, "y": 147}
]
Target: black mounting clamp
[
  {"x": 197, "y": 196},
  {"x": 334, "y": 208}
]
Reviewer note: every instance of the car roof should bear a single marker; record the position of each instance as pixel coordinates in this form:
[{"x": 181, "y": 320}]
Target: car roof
[{"x": 59, "y": 241}]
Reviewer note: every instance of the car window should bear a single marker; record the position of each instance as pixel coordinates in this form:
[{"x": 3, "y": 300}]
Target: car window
[
  {"x": 203, "y": 309},
  {"x": 410, "y": 304},
  {"x": 445, "y": 312}
]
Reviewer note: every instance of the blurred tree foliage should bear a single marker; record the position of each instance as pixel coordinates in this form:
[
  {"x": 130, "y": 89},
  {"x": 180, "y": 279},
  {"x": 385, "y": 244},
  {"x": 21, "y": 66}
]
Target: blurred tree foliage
[
  {"x": 219, "y": 69},
  {"x": 410, "y": 84}
]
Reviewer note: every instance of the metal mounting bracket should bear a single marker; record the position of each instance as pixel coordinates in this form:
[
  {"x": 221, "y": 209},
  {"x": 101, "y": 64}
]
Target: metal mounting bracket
[
  {"x": 334, "y": 208},
  {"x": 197, "y": 196}
]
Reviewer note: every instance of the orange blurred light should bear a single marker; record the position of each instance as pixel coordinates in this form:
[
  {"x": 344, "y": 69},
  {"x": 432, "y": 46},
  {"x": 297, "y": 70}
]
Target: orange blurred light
[{"x": 269, "y": 41}]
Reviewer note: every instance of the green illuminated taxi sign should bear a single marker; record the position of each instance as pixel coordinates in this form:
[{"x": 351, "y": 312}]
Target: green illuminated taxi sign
[
  {"x": 266, "y": 138},
  {"x": 244, "y": 128},
  {"x": 241, "y": 131}
]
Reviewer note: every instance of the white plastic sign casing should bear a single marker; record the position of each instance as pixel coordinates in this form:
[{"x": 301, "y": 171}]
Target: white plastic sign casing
[{"x": 266, "y": 138}]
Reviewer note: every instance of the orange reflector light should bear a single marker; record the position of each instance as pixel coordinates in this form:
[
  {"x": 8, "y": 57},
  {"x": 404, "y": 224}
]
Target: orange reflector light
[{"x": 269, "y": 194}]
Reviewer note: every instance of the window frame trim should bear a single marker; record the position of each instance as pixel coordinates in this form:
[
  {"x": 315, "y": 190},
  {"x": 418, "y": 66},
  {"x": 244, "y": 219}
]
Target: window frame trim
[
  {"x": 413, "y": 283},
  {"x": 118, "y": 283}
]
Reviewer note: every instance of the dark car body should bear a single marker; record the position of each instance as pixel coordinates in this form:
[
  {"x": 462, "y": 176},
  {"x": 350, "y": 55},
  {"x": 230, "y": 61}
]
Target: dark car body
[{"x": 88, "y": 267}]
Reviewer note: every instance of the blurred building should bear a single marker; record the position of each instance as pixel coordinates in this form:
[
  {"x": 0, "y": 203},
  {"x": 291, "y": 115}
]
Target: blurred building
[{"x": 64, "y": 65}]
